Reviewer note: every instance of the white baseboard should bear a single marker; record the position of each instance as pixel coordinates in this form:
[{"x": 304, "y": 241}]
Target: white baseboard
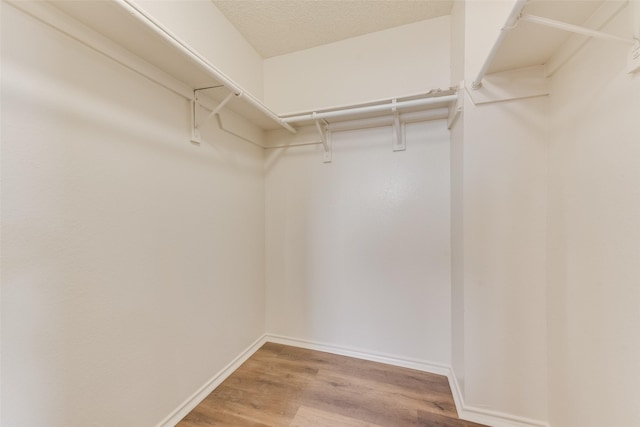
[
  {"x": 484, "y": 416},
  {"x": 465, "y": 412},
  {"x": 389, "y": 359},
  {"x": 458, "y": 398},
  {"x": 188, "y": 405},
  {"x": 498, "y": 419}
]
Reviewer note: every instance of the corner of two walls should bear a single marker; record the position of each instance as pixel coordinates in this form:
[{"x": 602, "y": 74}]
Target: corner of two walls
[
  {"x": 367, "y": 236},
  {"x": 358, "y": 249},
  {"x": 354, "y": 249},
  {"x": 545, "y": 243},
  {"x": 499, "y": 199},
  {"x": 399, "y": 61},
  {"x": 321, "y": 285},
  {"x": 504, "y": 198},
  {"x": 457, "y": 46}
]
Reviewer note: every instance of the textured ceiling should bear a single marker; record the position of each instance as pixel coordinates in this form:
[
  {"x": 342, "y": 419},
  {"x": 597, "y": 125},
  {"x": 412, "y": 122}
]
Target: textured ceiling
[{"x": 277, "y": 27}]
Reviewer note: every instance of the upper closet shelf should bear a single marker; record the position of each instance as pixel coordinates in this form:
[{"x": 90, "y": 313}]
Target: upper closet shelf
[
  {"x": 123, "y": 31},
  {"x": 547, "y": 33}
]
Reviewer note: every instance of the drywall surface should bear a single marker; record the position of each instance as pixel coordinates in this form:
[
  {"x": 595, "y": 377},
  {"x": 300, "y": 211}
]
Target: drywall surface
[
  {"x": 358, "y": 249},
  {"x": 457, "y": 250},
  {"x": 504, "y": 205},
  {"x": 457, "y": 200},
  {"x": 457, "y": 29},
  {"x": 132, "y": 260},
  {"x": 400, "y": 61},
  {"x": 203, "y": 27},
  {"x": 594, "y": 239},
  {"x": 499, "y": 187}
]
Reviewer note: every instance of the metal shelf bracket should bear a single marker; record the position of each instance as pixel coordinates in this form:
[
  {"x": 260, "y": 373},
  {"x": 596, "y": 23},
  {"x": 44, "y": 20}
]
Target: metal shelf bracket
[
  {"x": 455, "y": 108},
  {"x": 325, "y": 137},
  {"x": 195, "y": 132},
  {"x": 398, "y": 129},
  {"x": 195, "y": 123}
]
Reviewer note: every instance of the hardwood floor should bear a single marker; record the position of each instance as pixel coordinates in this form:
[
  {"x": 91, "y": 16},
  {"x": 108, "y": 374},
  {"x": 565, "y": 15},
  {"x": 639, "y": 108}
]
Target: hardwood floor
[{"x": 290, "y": 386}]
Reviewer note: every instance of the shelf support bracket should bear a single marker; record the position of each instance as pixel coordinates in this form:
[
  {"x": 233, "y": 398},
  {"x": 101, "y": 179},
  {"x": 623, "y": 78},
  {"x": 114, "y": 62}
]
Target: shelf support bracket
[
  {"x": 195, "y": 130},
  {"x": 398, "y": 129},
  {"x": 325, "y": 137},
  {"x": 195, "y": 133},
  {"x": 455, "y": 108}
]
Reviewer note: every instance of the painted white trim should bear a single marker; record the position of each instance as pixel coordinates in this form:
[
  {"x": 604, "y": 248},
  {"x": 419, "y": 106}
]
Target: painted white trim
[
  {"x": 485, "y": 416},
  {"x": 456, "y": 391},
  {"x": 389, "y": 359},
  {"x": 465, "y": 412},
  {"x": 194, "y": 400},
  {"x": 498, "y": 419}
]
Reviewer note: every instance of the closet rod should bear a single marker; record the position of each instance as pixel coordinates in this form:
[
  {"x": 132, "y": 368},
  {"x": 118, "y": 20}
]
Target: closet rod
[
  {"x": 158, "y": 29},
  {"x": 371, "y": 109},
  {"x": 512, "y": 20}
]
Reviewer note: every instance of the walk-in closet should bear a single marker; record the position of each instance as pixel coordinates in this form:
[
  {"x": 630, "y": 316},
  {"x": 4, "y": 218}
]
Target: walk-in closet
[{"x": 442, "y": 194}]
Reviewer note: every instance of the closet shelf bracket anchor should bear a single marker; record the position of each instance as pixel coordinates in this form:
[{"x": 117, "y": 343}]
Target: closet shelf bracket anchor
[
  {"x": 195, "y": 133},
  {"x": 398, "y": 129},
  {"x": 455, "y": 109},
  {"x": 325, "y": 137}
]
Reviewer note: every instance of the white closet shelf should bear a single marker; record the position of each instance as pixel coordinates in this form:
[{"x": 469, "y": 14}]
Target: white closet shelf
[
  {"x": 547, "y": 33},
  {"x": 123, "y": 31}
]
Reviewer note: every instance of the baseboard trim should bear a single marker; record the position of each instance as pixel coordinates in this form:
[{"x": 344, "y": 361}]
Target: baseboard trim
[
  {"x": 456, "y": 391},
  {"x": 390, "y": 359},
  {"x": 465, "y": 412},
  {"x": 485, "y": 416},
  {"x": 194, "y": 400},
  {"x": 498, "y": 419}
]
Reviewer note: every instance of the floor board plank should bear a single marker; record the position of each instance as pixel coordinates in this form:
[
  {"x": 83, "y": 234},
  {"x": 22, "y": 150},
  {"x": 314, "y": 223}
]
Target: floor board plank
[
  {"x": 312, "y": 417},
  {"x": 284, "y": 386}
]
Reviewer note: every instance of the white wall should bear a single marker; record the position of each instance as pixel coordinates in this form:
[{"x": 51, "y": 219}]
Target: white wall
[
  {"x": 505, "y": 161},
  {"x": 457, "y": 46},
  {"x": 457, "y": 251},
  {"x": 457, "y": 199},
  {"x": 594, "y": 239},
  {"x": 358, "y": 250},
  {"x": 105, "y": 299},
  {"x": 202, "y": 26},
  {"x": 499, "y": 162},
  {"x": 399, "y": 61},
  {"x": 133, "y": 261}
]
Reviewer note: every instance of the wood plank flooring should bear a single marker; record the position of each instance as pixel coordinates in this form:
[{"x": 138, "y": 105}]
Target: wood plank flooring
[{"x": 289, "y": 386}]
